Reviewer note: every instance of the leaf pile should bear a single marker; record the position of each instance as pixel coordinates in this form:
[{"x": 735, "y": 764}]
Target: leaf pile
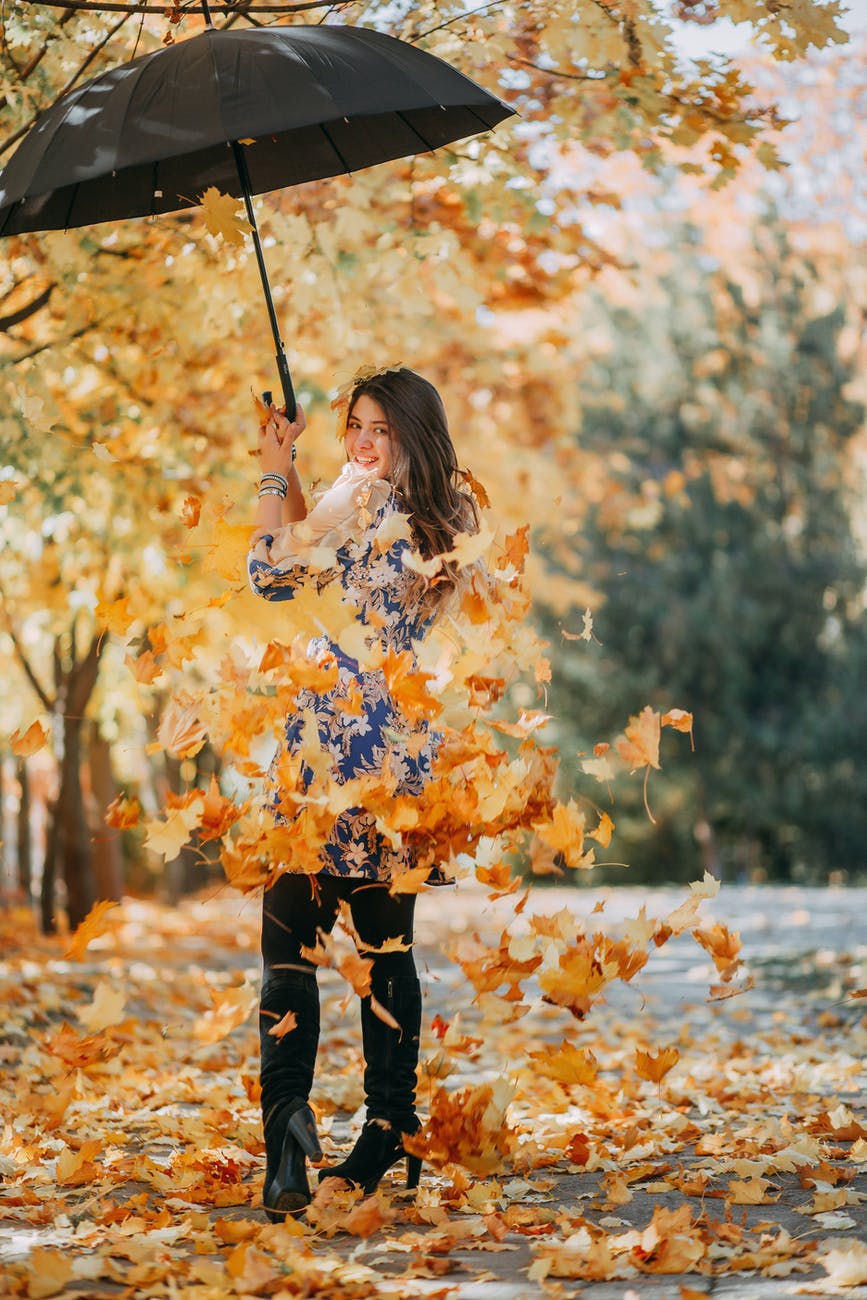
[{"x": 693, "y": 1139}]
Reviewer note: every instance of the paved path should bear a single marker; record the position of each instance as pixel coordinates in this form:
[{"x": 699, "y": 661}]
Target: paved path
[{"x": 778, "y": 1068}]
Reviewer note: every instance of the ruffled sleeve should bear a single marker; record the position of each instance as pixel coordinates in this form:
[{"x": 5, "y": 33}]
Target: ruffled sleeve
[{"x": 279, "y": 564}]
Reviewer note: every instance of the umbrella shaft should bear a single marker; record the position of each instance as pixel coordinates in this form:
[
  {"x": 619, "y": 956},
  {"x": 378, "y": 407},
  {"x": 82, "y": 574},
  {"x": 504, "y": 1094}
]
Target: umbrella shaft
[{"x": 282, "y": 363}]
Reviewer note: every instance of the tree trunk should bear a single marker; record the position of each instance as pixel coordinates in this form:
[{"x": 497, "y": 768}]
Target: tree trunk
[
  {"x": 49, "y": 873},
  {"x": 23, "y": 839},
  {"x": 74, "y": 845},
  {"x": 106, "y": 840},
  {"x": 69, "y": 845}
]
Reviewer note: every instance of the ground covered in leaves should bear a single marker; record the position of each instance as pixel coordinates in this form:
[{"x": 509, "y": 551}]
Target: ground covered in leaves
[{"x": 661, "y": 1144}]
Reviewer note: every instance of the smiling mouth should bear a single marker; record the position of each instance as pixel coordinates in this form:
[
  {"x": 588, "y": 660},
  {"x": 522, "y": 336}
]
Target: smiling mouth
[{"x": 367, "y": 460}]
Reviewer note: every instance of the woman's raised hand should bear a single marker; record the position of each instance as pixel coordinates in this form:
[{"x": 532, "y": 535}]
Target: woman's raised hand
[{"x": 276, "y": 439}]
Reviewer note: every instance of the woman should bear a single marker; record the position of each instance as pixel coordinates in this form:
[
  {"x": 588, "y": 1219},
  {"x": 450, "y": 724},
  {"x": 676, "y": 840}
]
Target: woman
[{"x": 400, "y": 460}]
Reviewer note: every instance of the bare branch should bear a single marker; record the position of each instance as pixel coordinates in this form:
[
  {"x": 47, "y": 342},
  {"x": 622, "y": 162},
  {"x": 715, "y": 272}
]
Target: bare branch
[
  {"x": 16, "y": 317},
  {"x": 47, "y": 703},
  {"x": 117, "y": 6},
  {"x": 558, "y": 72},
  {"x": 56, "y": 343},
  {"x": 468, "y": 13},
  {"x": 97, "y": 49}
]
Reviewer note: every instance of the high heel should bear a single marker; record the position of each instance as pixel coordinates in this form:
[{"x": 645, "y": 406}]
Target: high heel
[
  {"x": 379, "y": 1146},
  {"x": 288, "y": 1192},
  {"x": 413, "y": 1172}
]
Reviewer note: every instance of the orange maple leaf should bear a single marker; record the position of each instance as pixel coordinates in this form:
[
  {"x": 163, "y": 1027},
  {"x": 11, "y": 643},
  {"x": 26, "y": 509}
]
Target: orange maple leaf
[
  {"x": 25, "y": 743},
  {"x": 93, "y": 925},
  {"x": 191, "y": 511},
  {"x": 655, "y": 1066},
  {"x": 122, "y": 813}
]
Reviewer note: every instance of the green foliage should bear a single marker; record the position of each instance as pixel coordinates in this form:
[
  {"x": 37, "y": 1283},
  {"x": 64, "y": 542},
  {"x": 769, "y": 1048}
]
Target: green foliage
[{"x": 731, "y": 579}]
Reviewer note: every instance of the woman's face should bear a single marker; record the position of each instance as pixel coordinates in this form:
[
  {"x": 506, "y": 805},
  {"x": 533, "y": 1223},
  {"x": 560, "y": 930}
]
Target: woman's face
[{"x": 368, "y": 439}]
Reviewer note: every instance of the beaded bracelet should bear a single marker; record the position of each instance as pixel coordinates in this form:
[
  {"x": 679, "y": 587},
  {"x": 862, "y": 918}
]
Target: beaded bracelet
[{"x": 279, "y": 479}]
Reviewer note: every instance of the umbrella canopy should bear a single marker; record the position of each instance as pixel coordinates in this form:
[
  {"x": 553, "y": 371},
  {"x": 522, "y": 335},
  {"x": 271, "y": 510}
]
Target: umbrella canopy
[
  {"x": 244, "y": 111},
  {"x": 152, "y": 135}
]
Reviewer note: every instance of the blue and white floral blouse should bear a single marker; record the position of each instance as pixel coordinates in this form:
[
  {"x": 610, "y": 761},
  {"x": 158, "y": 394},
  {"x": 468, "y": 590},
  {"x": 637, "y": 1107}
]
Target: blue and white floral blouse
[{"x": 363, "y": 742}]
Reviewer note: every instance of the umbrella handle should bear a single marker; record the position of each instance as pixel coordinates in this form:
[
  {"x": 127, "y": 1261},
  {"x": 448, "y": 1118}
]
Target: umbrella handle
[
  {"x": 282, "y": 363},
  {"x": 286, "y": 385}
]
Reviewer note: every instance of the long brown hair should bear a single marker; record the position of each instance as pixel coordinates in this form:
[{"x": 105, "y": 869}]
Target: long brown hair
[{"x": 424, "y": 469}]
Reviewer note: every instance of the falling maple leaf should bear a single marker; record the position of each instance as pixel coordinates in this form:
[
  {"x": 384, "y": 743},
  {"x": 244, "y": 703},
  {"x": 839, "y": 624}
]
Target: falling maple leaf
[
  {"x": 93, "y": 925},
  {"x": 655, "y": 1065},
  {"x": 476, "y": 488},
  {"x": 222, "y": 217},
  {"x": 284, "y": 1026},
  {"x": 168, "y": 837},
  {"x": 723, "y": 947},
  {"x": 180, "y": 732},
  {"x": 230, "y": 1008},
  {"x": 25, "y": 743},
  {"x": 639, "y": 746},
  {"x": 191, "y": 511},
  {"x": 106, "y": 1008},
  {"x": 564, "y": 833}
]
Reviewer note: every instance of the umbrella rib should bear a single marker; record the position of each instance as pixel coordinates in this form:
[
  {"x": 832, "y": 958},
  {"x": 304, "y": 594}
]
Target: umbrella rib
[
  {"x": 403, "y": 117},
  {"x": 75, "y": 190},
  {"x": 343, "y": 163},
  {"x": 479, "y": 118}
]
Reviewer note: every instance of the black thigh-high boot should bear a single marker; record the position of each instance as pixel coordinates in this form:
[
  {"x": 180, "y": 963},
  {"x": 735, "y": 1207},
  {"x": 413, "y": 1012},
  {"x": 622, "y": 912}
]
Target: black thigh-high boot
[
  {"x": 390, "y": 1060},
  {"x": 286, "y": 1075}
]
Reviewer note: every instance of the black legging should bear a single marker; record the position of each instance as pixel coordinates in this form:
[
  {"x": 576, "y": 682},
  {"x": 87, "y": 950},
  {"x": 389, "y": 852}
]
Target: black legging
[{"x": 297, "y": 906}]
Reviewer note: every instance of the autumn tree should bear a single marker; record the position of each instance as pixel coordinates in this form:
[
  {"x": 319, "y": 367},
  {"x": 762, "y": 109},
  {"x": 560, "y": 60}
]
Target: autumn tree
[
  {"x": 729, "y": 575},
  {"x": 127, "y": 351}
]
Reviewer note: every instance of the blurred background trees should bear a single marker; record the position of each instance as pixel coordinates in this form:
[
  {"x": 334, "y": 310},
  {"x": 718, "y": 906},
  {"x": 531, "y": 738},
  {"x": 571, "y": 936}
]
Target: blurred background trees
[{"x": 729, "y": 574}]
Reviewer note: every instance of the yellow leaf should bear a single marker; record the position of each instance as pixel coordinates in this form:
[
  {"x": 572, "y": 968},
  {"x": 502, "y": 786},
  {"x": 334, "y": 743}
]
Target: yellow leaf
[
  {"x": 227, "y": 552},
  {"x": 49, "y": 1272},
  {"x": 144, "y": 667},
  {"x": 231, "y": 1007},
  {"x": 564, "y": 833},
  {"x": 8, "y": 490},
  {"x": 74, "y": 1168},
  {"x": 117, "y": 616},
  {"x": 394, "y": 528},
  {"x": 427, "y": 568},
  {"x": 470, "y": 547},
  {"x": 750, "y": 1191},
  {"x": 103, "y": 453},
  {"x": 603, "y": 831},
  {"x": 639, "y": 747},
  {"x": 566, "y": 1063},
  {"x": 222, "y": 216},
  {"x": 168, "y": 838},
  {"x": 180, "y": 732},
  {"x": 106, "y": 1008}
]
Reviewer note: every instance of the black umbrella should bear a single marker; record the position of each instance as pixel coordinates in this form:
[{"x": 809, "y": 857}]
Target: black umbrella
[{"x": 245, "y": 111}]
